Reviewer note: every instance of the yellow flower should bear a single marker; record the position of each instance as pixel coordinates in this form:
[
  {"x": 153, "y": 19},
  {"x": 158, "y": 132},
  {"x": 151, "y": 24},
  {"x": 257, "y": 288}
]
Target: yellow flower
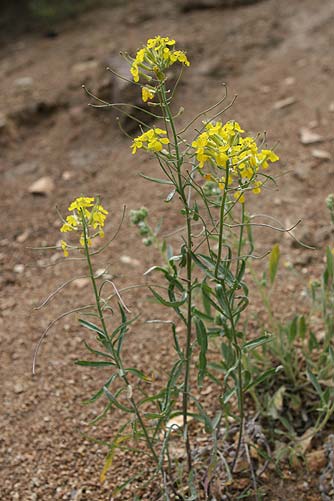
[
  {"x": 99, "y": 215},
  {"x": 150, "y": 140},
  {"x": 257, "y": 187},
  {"x": 221, "y": 147},
  {"x": 84, "y": 220},
  {"x": 155, "y": 57},
  {"x": 70, "y": 225},
  {"x": 240, "y": 197},
  {"x": 82, "y": 241},
  {"x": 147, "y": 94},
  {"x": 64, "y": 247},
  {"x": 81, "y": 203},
  {"x": 266, "y": 156}
]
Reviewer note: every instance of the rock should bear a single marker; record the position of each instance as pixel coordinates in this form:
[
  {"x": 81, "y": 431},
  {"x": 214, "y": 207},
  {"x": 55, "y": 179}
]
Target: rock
[
  {"x": 309, "y": 137},
  {"x": 43, "y": 186},
  {"x": 129, "y": 260},
  {"x": 321, "y": 154},
  {"x": 284, "y": 103},
  {"x": 81, "y": 283},
  {"x": 23, "y": 236},
  {"x": 24, "y": 83},
  {"x": 289, "y": 81},
  {"x": 18, "y": 268},
  {"x": 18, "y": 388},
  {"x": 67, "y": 175}
]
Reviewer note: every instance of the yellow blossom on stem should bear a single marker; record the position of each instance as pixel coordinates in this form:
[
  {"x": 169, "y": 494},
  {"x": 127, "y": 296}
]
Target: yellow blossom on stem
[
  {"x": 257, "y": 187},
  {"x": 147, "y": 94},
  {"x": 240, "y": 197},
  {"x": 155, "y": 58},
  {"x": 64, "y": 247},
  {"x": 84, "y": 220},
  {"x": 221, "y": 145},
  {"x": 81, "y": 203},
  {"x": 152, "y": 140}
]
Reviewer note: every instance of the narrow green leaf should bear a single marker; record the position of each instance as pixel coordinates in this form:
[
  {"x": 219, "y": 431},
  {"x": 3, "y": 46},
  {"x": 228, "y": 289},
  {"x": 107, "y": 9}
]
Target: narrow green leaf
[
  {"x": 138, "y": 373},
  {"x": 260, "y": 379},
  {"x": 254, "y": 343},
  {"x": 97, "y": 352},
  {"x": 202, "y": 340},
  {"x": 228, "y": 395},
  {"x": 88, "y": 363},
  {"x": 99, "y": 393},
  {"x": 313, "y": 343},
  {"x": 170, "y": 304},
  {"x": 329, "y": 262},
  {"x": 155, "y": 179},
  {"x": 92, "y": 327},
  {"x": 273, "y": 262},
  {"x": 292, "y": 333},
  {"x": 315, "y": 383},
  {"x": 117, "y": 404},
  {"x": 215, "y": 421},
  {"x": 301, "y": 327},
  {"x": 202, "y": 416}
]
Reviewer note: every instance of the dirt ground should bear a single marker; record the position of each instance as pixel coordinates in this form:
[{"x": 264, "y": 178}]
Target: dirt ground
[{"x": 277, "y": 57}]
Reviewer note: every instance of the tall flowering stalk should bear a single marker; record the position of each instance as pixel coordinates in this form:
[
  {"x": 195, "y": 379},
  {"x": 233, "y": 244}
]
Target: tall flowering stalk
[
  {"x": 224, "y": 163},
  {"x": 211, "y": 179}
]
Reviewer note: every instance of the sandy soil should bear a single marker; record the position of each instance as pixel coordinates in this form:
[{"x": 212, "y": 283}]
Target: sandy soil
[{"x": 277, "y": 56}]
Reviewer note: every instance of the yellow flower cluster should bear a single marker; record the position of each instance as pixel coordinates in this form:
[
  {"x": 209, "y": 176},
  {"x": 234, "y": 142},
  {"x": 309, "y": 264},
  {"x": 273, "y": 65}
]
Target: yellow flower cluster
[
  {"x": 152, "y": 140},
  {"x": 221, "y": 146},
  {"x": 86, "y": 213},
  {"x": 153, "y": 60}
]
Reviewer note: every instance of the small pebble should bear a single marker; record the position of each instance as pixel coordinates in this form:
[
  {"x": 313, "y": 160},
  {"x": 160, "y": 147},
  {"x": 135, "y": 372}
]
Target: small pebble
[{"x": 18, "y": 268}]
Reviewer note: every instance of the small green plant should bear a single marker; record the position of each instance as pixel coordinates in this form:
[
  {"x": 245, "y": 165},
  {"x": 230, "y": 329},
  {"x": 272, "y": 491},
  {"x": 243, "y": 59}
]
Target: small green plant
[
  {"x": 201, "y": 284},
  {"x": 300, "y": 398}
]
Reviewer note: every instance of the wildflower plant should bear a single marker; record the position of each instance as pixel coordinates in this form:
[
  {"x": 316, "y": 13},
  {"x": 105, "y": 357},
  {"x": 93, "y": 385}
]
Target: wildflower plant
[{"x": 202, "y": 283}]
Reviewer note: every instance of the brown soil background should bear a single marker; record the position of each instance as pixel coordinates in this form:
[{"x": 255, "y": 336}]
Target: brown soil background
[{"x": 265, "y": 52}]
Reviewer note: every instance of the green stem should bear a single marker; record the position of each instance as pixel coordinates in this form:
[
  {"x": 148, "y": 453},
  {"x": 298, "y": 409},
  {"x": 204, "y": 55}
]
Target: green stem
[
  {"x": 239, "y": 379},
  {"x": 230, "y": 306},
  {"x": 241, "y": 234},
  {"x": 105, "y": 330},
  {"x": 187, "y": 357},
  {"x": 221, "y": 222}
]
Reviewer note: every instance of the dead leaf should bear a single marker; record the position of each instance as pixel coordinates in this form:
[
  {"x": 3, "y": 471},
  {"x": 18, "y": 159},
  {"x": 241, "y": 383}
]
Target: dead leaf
[
  {"x": 316, "y": 460},
  {"x": 303, "y": 443}
]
